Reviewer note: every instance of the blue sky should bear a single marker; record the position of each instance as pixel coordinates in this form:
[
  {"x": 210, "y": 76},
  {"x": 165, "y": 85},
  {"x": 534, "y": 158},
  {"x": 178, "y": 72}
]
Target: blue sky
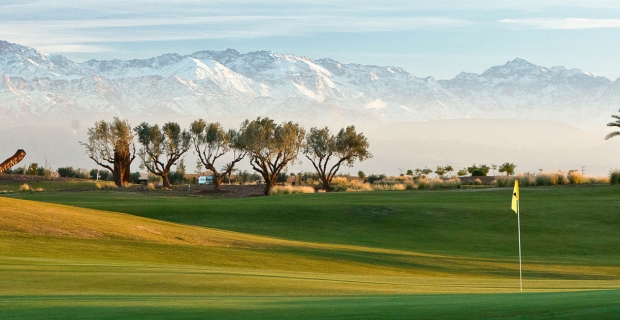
[{"x": 437, "y": 38}]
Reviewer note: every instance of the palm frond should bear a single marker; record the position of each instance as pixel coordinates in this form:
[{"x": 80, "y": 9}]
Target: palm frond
[
  {"x": 611, "y": 135},
  {"x": 614, "y": 124}
]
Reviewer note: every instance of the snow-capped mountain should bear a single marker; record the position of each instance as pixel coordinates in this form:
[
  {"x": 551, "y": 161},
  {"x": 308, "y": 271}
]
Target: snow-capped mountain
[{"x": 222, "y": 85}]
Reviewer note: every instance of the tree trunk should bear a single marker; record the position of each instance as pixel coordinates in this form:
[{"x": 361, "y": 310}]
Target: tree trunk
[
  {"x": 326, "y": 185},
  {"x": 122, "y": 170},
  {"x": 269, "y": 183},
  {"x": 165, "y": 180},
  {"x": 217, "y": 183}
]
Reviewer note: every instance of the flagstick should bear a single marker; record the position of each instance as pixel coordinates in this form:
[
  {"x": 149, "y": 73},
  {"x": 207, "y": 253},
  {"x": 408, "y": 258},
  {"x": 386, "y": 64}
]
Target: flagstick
[{"x": 519, "y": 228}]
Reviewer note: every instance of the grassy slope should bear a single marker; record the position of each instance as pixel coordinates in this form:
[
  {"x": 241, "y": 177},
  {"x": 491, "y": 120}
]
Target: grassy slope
[
  {"x": 562, "y": 222},
  {"x": 399, "y": 242}
]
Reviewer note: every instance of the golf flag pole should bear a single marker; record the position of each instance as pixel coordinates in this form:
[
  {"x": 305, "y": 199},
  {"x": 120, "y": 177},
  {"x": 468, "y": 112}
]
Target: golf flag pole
[{"x": 515, "y": 208}]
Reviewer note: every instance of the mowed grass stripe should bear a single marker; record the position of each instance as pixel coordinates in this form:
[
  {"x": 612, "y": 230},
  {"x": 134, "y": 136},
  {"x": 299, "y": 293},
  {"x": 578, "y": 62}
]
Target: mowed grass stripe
[{"x": 576, "y": 305}]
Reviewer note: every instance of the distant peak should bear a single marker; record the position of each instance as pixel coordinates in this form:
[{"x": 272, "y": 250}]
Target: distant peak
[{"x": 518, "y": 62}]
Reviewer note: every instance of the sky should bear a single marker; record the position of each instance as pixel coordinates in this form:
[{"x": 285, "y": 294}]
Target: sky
[{"x": 438, "y": 38}]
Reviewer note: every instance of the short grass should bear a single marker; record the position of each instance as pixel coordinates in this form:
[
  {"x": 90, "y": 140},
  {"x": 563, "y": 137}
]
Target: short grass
[{"x": 376, "y": 255}]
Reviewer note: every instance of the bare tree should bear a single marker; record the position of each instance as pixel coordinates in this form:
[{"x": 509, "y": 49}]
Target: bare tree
[
  {"x": 344, "y": 148},
  {"x": 110, "y": 145},
  {"x": 169, "y": 143},
  {"x": 212, "y": 142},
  {"x": 271, "y": 147}
]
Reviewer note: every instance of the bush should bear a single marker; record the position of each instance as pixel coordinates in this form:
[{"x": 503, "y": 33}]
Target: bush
[
  {"x": 388, "y": 187},
  {"x": 25, "y": 188},
  {"x": 69, "y": 172},
  {"x": 435, "y": 184},
  {"x": 614, "y": 176},
  {"x": 504, "y": 181},
  {"x": 526, "y": 180},
  {"x": 291, "y": 190},
  {"x": 575, "y": 177},
  {"x": 100, "y": 185},
  {"x": 374, "y": 177},
  {"x": 478, "y": 173},
  {"x": 150, "y": 186}
]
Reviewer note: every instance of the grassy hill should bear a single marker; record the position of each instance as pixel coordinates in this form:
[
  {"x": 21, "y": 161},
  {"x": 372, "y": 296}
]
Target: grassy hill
[{"x": 452, "y": 254}]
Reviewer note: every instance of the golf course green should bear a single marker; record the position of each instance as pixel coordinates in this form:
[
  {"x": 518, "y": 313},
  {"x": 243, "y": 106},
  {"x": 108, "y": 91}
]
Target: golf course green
[{"x": 109, "y": 254}]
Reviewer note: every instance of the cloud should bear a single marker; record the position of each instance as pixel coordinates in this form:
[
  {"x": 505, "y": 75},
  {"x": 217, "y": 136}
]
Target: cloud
[
  {"x": 73, "y": 48},
  {"x": 376, "y": 104},
  {"x": 564, "y": 24},
  {"x": 79, "y": 33}
]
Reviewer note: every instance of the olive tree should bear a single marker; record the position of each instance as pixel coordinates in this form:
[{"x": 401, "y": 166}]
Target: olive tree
[
  {"x": 344, "y": 148},
  {"x": 321, "y": 147},
  {"x": 271, "y": 147},
  {"x": 110, "y": 145},
  {"x": 162, "y": 148},
  {"x": 212, "y": 142}
]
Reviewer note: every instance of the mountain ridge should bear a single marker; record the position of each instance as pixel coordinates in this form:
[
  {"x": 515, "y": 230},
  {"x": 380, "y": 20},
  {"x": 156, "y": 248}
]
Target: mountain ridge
[{"x": 229, "y": 84}]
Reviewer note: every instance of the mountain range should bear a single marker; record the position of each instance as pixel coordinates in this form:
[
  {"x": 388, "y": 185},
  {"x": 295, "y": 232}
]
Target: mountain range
[{"x": 228, "y": 85}]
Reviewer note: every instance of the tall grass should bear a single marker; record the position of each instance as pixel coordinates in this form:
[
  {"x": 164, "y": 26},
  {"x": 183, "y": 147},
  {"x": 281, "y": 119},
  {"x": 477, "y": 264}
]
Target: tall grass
[
  {"x": 388, "y": 186},
  {"x": 291, "y": 190},
  {"x": 342, "y": 184},
  {"x": 549, "y": 179},
  {"x": 435, "y": 184}
]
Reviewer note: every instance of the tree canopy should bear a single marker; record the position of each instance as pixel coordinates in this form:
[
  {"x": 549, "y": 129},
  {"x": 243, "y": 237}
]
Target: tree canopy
[
  {"x": 344, "y": 148},
  {"x": 110, "y": 145},
  {"x": 271, "y": 147},
  {"x": 507, "y": 167},
  {"x": 212, "y": 142},
  {"x": 162, "y": 148}
]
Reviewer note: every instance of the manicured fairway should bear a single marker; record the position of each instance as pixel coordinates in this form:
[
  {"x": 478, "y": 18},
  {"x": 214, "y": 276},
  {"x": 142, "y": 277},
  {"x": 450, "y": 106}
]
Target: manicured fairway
[{"x": 379, "y": 255}]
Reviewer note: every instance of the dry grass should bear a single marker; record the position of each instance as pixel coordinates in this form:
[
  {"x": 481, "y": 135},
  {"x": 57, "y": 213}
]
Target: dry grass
[
  {"x": 101, "y": 185},
  {"x": 388, "y": 187},
  {"x": 342, "y": 184},
  {"x": 25, "y": 188},
  {"x": 291, "y": 190},
  {"x": 436, "y": 184}
]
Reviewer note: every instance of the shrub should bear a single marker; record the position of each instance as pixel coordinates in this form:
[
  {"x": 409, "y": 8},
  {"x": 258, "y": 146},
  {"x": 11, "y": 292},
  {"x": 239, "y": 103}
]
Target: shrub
[
  {"x": 614, "y": 176},
  {"x": 150, "y": 186},
  {"x": 25, "y": 188},
  {"x": 291, "y": 190},
  {"x": 69, "y": 172},
  {"x": 388, "y": 187},
  {"x": 526, "y": 180},
  {"x": 39, "y": 189},
  {"x": 374, "y": 177},
  {"x": 575, "y": 177},
  {"x": 434, "y": 184},
  {"x": 100, "y": 185},
  {"x": 478, "y": 173},
  {"x": 504, "y": 181},
  {"x": 550, "y": 179},
  {"x": 424, "y": 184}
]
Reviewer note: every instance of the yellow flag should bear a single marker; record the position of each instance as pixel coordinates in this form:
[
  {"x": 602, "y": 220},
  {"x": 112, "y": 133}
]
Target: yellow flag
[{"x": 515, "y": 197}]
